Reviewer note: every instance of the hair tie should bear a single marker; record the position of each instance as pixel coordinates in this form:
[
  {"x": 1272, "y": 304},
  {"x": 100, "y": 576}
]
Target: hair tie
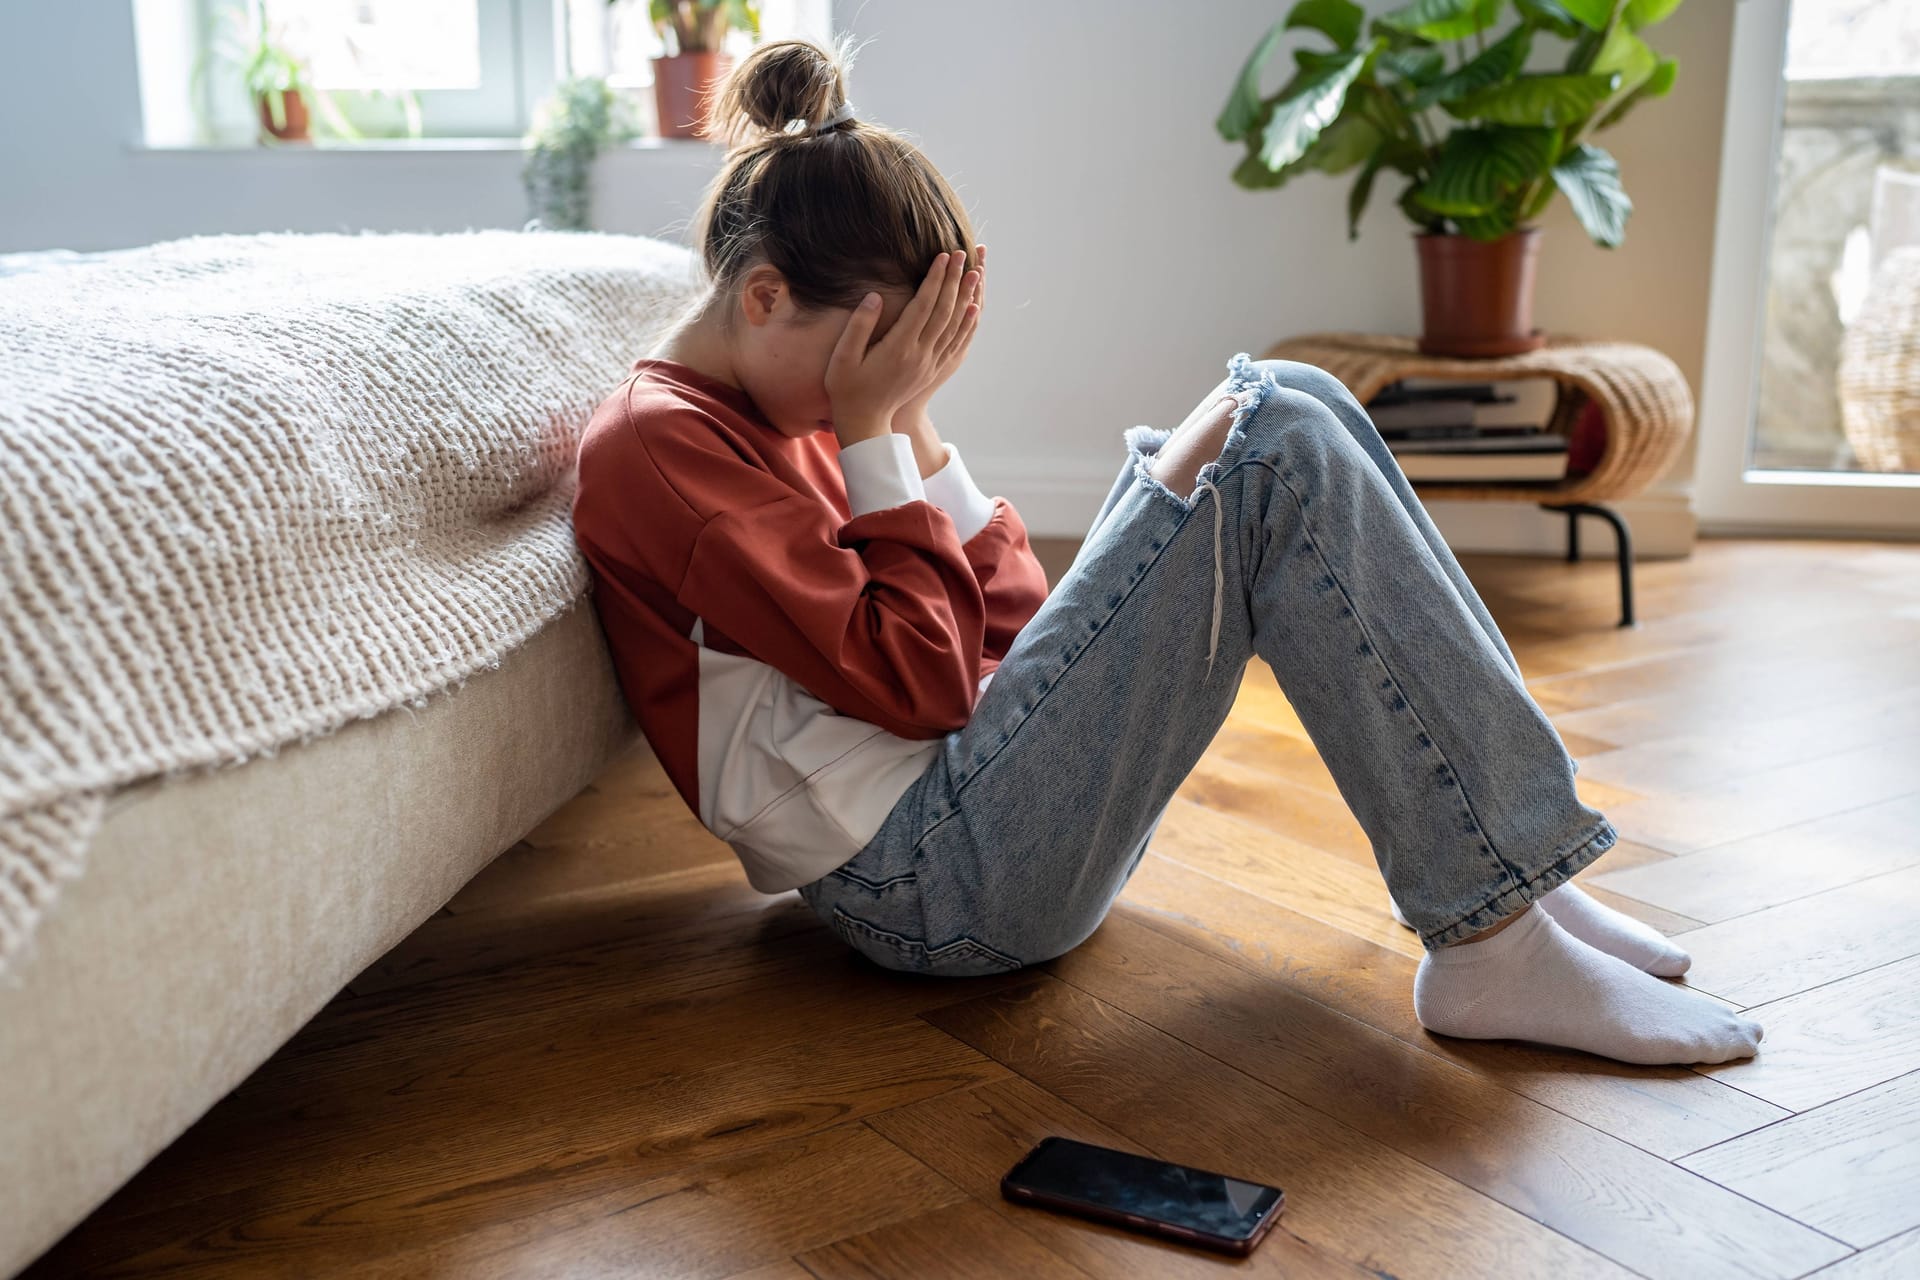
[{"x": 841, "y": 114}]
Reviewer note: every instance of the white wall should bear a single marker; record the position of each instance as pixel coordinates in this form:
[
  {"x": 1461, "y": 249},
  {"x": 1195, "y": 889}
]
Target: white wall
[
  {"x": 74, "y": 173},
  {"x": 1126, "y": 265}
]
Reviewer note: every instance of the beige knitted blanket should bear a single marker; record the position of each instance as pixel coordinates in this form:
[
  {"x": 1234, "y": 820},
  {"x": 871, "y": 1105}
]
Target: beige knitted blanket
[{"x": 253, "y": 487}]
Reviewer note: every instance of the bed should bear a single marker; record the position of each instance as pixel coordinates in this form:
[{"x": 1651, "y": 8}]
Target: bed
[{"x": 194, "y": 867}]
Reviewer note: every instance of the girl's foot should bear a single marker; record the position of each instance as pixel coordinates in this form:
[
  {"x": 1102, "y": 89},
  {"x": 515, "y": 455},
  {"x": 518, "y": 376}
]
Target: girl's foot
[
  {"x": 1604, "y": 929},
  {"x": 1535, "y": 981}
]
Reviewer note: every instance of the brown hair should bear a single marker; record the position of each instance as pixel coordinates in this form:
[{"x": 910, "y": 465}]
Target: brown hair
[{"x": 837, "y": 213}]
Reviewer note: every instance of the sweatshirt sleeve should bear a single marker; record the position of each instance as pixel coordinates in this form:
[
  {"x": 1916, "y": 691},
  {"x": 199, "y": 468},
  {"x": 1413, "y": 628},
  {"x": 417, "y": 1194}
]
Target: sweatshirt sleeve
[
  {"x": 1012, "y": 583},
  {"x": 880, "y": 616}
]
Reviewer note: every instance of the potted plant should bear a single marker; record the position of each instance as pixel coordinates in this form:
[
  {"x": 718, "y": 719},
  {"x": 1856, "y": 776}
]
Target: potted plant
[
  {"x": 570, "y": 128},
  {"x": 683, "y": 78},
  {"x": 279, "y": 82},
  {"x": 1478, "y": 173},
  {"x": 276, "y": 77}
]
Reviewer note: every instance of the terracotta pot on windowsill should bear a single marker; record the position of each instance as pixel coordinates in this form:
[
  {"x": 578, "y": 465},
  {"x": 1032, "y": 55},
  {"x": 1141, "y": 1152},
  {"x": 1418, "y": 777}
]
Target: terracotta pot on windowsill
[
  {"x": 295, "y": 109},
  {"x": 681, "y": 86},
  {"x": 1476, "y": 296}
]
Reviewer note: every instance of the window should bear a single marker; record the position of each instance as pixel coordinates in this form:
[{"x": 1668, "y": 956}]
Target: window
[
  {"x": 613, "y": 40},
  {"x": 1845, "y": 197},
  {"x": 1852, "y": 39},
  {"x": 462, "y": 60},
  {"x": 616, "y": 40},
  {"x": 391, "y": 68},
  {"x": 384, "y": 44}
]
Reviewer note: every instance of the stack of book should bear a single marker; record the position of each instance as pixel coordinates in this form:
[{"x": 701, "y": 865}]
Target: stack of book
[{"x": 1473, "y": 432}]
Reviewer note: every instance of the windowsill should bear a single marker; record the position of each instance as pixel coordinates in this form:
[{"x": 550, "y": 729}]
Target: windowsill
[{"x": 408, "y": 146}]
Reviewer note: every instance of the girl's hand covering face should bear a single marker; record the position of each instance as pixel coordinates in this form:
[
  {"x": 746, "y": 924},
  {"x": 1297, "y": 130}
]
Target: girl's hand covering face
[
  {"x": 867, "y": 385},
  {"x": 957, "y": 353}
]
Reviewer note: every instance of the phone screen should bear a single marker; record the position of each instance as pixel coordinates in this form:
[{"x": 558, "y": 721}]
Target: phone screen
[{"x": 1209, "y": 1203}]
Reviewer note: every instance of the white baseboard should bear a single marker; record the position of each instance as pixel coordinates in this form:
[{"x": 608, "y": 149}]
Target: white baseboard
[
  {"x": 1059, "y": 497},
  {"x": 1790, "y": 529},
  {"x": 1662, "y": 525}
]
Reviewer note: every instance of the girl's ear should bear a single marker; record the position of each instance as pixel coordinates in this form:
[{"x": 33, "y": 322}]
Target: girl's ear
[{"x": 761, "y": 293}]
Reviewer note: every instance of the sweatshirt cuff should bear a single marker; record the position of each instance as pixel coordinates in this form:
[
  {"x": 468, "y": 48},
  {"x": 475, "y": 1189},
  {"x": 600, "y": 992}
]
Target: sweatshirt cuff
[
  {"x": 880, "y": 472},
  {"x": 953, "y": 491}
]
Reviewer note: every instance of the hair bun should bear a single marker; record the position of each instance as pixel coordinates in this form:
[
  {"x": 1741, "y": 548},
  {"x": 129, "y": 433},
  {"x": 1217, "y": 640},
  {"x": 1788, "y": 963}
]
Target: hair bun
[{"x": 776, "y": 84}]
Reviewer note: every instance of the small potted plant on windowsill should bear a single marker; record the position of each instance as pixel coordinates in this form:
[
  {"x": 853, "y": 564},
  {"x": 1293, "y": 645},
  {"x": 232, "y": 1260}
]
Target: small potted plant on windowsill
[
  {"x": 1478, "y": 176},
  {"x": 684, "y": 78},
  {"x": 279, "y": 83},
  {"x": 276, "y": 77}
]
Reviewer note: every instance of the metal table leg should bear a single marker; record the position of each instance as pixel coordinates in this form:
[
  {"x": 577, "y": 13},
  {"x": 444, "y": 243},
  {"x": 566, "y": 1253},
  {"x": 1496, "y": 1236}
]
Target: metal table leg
[{"x": 1574, "y": 511}]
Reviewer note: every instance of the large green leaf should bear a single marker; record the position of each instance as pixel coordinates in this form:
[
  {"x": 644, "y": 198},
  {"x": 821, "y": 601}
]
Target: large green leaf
[
  {"x": 1420, "y": 215},
  {"x": 1660, "y": 83},
  {"x": 1657, "y": 85},
  {"x": 1357, "y": 198},
  {"x": 1243, "y": 110},
  {"x": 1478, "y": 168},
  {"x": 1348, "y": 141},
  {"x": 1591, "y": 13},
  {"x": 1314, "y": 61},
  {"x": 1628, "y": 54},
  {"x": 1253, "y": 174},
  {"x": 1444, "y": 19},
  {"x": 1501, "y": 62},
  {"x": 1297, "y": 121},
  {"x": 1421, "y": 66},
  {"x": 1490, "y": 226},
  {"x": 1549, "y": 15},
  {"x": 1351, "y": 139},
  {"x": 1544, "y": 101},
  {"x": 1644, "y": 13},
  {"x": 1590, "y": 180},
  {"x": 1338, "y": 20}
]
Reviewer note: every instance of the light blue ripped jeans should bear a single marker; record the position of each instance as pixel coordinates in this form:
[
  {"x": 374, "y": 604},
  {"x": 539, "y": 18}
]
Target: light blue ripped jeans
[{"x": 1013, "y": 845}]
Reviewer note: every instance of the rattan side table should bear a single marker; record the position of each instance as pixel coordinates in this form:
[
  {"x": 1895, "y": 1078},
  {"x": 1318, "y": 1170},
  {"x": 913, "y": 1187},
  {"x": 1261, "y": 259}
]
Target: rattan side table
[{"x": 1644, "y": 400}]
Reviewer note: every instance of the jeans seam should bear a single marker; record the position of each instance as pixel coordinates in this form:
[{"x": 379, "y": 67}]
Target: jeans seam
[
  {"x": 920, "y": 949},
  {"x": 1559, "y": 860},
  {"x": 1373, "y": 651},
  {"x": 874, "y": 885}
]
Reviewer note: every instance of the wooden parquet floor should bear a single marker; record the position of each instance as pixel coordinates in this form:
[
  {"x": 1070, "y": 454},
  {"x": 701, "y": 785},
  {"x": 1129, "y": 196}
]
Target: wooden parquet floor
[{"x": 609, "y": 1057}]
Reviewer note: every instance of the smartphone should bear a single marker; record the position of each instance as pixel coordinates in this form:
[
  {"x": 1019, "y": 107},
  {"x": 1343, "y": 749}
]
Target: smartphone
[{"x": 1192, "y": 1206}]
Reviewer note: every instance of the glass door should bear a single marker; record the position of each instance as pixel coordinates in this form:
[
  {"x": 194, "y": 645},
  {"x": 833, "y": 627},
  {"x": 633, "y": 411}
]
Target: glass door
[{"x": 1810, "y": 416}]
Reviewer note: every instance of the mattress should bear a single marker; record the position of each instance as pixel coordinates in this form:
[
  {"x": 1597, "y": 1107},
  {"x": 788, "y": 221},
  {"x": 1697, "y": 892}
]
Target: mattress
[{"x": 224, "y": 908}]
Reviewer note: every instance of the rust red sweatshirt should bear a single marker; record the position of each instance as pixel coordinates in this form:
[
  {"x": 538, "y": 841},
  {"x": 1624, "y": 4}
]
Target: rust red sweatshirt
[{"x": 795, "y": 625}]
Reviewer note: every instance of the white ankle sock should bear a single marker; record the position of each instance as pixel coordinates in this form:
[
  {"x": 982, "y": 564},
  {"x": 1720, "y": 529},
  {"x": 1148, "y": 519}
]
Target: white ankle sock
[
  {"x": 1603, "y": 928},
  {"x": 1535, "y": 981},
  {"x": 1614, "y": 932}
]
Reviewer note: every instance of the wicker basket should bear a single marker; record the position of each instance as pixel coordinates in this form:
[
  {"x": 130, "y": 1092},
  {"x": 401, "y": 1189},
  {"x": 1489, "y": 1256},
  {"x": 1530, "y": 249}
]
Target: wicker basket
[{"x": 1880, "y": 368}]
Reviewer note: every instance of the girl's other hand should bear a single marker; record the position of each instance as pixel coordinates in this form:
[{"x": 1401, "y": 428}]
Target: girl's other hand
[{"x": 868, "y": 384}]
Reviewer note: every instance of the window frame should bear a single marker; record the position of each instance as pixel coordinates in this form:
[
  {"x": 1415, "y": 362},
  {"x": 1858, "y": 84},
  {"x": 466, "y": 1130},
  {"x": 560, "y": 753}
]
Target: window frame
[
  {"x": 1731, "y": 495},
  {"x": 517, "y": 69},
  {"x": 524, "y": 45}
]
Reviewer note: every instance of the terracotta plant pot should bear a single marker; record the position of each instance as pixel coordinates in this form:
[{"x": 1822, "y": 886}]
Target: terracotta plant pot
[
  {"x": 295, "y": 130},
  {"x": 1476, "y": 296},
  {"x": 682, "y": 85}
]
